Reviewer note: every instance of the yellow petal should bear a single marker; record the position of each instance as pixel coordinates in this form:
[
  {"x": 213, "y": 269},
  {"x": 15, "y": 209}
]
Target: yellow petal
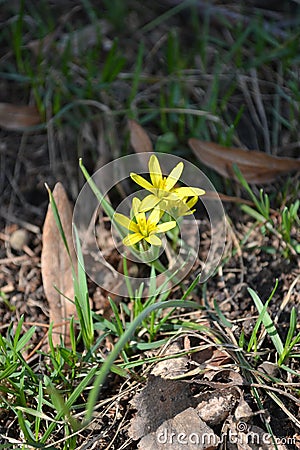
[
  {"x": 191, "y": 211},
  {"x": 136, "y": 203},
  {"x": 141, "y": 181},
  {"x": 155, "y": 171},
  {"x": 142, "y": 223},
  {"x": 192, "y": 202},
  {"x": 153, "y": 219},
  {"x": 132, "y": 239},
  {"x": 148, "y": 203},
  {"x": 173, "y": 197},
  {"x": 161, "y": 228},
  {"x": 174, "y": 176},
  {"x": 154, "y": 240},
  {"x": 188, "y": 192},
  {"x": 126, "y": 222}
]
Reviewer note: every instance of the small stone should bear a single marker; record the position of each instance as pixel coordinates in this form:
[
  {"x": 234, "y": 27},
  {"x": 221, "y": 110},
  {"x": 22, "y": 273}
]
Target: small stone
[{"x": 18, "y": 239}]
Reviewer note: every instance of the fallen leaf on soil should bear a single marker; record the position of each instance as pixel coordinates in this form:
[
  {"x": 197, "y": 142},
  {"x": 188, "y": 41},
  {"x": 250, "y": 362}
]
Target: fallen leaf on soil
[
  {"x": 233, "y": 377},
  {"x": 173, "y": 414},
  {"x": 16, "y": 117},
  {"x": 256, "y": 167},
  {"x": 214, "y": 407},
  {"x": 207, "y": 357},
  {"x": 56, "y": 266},
  {"x": 174, "y": 367},
  {"x": 243, "y": 411},
  {"x": 185, "y": 431},
  {"x": 160, "y": 400},
  {"x": 211, "y": 357},
  {"x": 139, "y": 138}
]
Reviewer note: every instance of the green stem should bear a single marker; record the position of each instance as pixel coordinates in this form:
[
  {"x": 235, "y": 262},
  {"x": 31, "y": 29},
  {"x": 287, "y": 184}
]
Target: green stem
[
  {"x": 126, "y": 336},
  {"x": 109, "y": 210}
]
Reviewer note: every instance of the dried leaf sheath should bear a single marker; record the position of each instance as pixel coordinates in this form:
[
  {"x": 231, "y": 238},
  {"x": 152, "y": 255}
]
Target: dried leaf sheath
[{"x": 56, "y": 266}]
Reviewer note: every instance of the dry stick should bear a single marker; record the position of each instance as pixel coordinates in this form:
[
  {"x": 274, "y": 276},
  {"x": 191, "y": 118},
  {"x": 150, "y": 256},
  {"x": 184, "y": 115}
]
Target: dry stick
[
  {"x": 217, "y": 14},
  {"x": 44, "y": 44},
  {"x": 14, "y": 219},
  {"x": 239, "y": 253},
  {"x": 261, "y": 110},
  {"x": 16, "y": 259},
  {"x": 243, "y": 85},
  {"x": 36, "y": 348},
  {"x": 282, "y": 406},
  {"x": 280, "y": 391},
  {"x": 286, "y": 299},
  {"x": 17, "y": 168},
  {"x": 50, "y": 138},
  {"x": 234, "y": 199},
  {"x": 45, "y": 325}
]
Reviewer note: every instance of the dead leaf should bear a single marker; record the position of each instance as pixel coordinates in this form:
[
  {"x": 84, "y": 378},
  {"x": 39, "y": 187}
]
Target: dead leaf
[
  {"x": 160, "y": 400},
  {"x": 243, "y": 411},
  {"x": 56, "y": 266},
  {"x": 16, "y": 117},
  {"x": 185, "y": 431},
  {"x": 214, "y": 407},
  {"x": 173, "y": 367},
  {"x": 139, "y": 139},
  {"x": 213, "y": 377},
  {"x": 256, "y": 167}
]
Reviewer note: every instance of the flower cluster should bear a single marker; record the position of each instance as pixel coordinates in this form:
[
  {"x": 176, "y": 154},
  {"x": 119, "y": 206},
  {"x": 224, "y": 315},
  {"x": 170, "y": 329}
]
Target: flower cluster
[{"x": 165, "y": 200}]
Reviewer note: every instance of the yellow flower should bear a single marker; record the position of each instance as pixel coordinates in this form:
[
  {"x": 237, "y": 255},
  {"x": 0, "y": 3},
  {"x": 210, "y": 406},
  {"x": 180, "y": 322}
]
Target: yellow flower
[
  {"x": 162, "y": 188},
  {"x": 180, "y": 207},
  {"x": 143, "y": 228}
]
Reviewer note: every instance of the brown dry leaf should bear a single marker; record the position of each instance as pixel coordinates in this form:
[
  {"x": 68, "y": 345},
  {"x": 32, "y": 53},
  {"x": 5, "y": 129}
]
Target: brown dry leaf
[
  {"x": 256, "y": 167},
  {"x": 210, "y": 357},
  {"x": 16, "y": 117},
  {"x": 243, "y": 411},
  {"x": 173, "y": 367},
  {"x": 214, "y": 407},
  {"x": 139, "y": 139},
  {"x": 56, "y": 266},
  {"x": 233, "y": 377},
  {"x": 219, "y": 358},
  {"x": 160, "y": 400},
  {"x": 186, "y": 431}
]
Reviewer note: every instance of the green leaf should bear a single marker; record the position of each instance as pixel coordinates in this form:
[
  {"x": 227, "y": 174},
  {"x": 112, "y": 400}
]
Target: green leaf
[
  {"x": 266, "y": 319},
  {"x": 221, "y": 316},
  {"x": 126, "y": 336}
]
